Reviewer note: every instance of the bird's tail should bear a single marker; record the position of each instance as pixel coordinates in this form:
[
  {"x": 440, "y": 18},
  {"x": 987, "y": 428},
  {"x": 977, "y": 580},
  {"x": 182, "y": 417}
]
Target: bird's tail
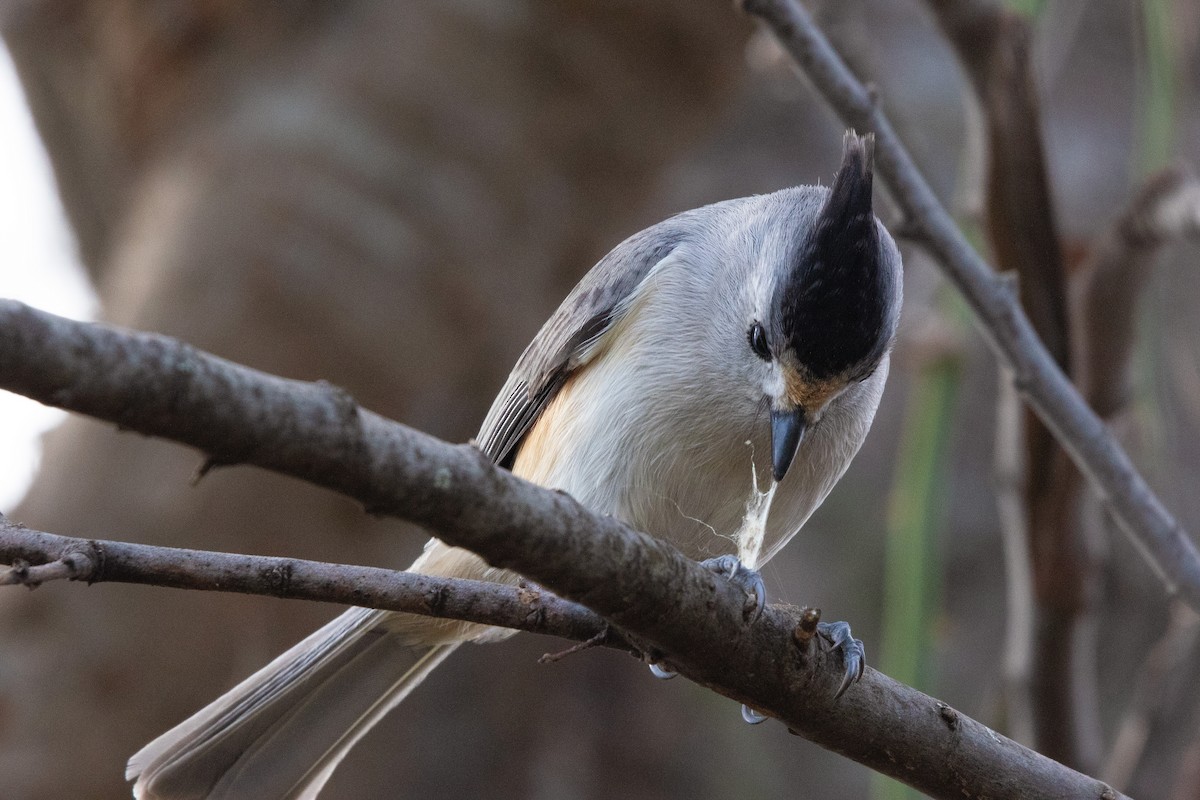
[{"x": 279, "y": 734}]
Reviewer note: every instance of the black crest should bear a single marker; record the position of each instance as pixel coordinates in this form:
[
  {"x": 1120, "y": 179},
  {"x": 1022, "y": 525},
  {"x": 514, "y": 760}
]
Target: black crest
[{"x": 835, "y": 306}]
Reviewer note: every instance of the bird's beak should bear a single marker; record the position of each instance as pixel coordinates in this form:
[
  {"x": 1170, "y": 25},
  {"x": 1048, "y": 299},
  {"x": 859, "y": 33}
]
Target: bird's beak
[{"x": 787, "y": 429}]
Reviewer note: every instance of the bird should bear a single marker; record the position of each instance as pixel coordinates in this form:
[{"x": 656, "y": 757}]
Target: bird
[{"x": 748, "y": 337}]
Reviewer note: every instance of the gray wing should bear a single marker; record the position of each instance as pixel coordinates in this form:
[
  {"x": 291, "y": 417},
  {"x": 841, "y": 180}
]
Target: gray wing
[{"x": 588, "y": 311}]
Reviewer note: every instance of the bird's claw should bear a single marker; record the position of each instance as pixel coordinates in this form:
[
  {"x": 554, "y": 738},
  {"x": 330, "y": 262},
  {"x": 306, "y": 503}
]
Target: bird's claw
[
  {"x": 854, "y": 661},
  {"x": 662, "y": 673},
  {"x": 748, "y": 580},
  {"x": 854, "y": 655},
  {"x": 751, "y": 716}
]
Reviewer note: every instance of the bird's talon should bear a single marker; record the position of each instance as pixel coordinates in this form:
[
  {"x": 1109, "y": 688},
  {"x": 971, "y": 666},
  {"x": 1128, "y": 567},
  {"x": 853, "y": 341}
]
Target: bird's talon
[
  {"x": 662, "y": 673},
  {"x": 854, "y": 654},
  {"x": 748, "y": 580},
  {"x": 751, "y": 716}
]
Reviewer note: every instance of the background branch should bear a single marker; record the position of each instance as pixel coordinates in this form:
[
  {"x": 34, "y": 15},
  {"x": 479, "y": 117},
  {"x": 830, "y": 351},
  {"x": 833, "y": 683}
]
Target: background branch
[
  {"x": 1105, "y": 299},
  {"x": 1052, "y": 698},
  {"x": 1165, "y": 209},
  {"x": 315, "y": 432},
  {"x": 1140, "y": 514},
  {"x": 1050, "y": 642},
  {"x": 1154, "y": 700}
]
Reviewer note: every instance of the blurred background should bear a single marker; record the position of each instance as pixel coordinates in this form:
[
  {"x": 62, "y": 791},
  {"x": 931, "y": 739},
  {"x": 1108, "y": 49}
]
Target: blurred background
[{"x": 393, "y": 196}]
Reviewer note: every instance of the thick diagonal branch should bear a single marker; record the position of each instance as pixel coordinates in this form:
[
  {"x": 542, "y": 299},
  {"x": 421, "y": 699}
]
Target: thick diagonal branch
[{"x": 160, "y": 387}]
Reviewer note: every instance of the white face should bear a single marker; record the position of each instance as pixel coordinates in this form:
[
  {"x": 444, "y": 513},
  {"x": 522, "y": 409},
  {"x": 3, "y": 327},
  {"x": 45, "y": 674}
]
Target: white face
[
  {"x": 767, "y": 374},
  {"x": 774, "y": 386}
]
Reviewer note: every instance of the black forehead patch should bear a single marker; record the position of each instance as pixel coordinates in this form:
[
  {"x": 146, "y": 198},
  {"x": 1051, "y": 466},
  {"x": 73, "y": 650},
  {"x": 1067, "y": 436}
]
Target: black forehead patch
[{"x": 834, "y": 307}]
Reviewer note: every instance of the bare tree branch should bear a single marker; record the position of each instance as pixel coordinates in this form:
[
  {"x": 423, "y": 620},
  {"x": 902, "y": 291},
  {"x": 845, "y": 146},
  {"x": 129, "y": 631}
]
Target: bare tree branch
[
  {"x": 1149, "y": 695},
  {"x": 993, "y": 44},
  {"x": 1165, "y": 209},
  {"x": 1055, "y": 684},
  {"x": 1095, "y": 452},
  {"x": 315, "y": 432},
  {"x": 1045, "y": 690},
  {"x": 40, "y": 557},
  {"x": 1105, "y": 297}
]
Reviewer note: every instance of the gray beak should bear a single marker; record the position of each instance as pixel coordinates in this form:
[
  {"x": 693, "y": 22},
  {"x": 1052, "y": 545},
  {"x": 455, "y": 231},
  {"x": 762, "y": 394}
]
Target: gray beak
[{"x": 787, "y": 429}]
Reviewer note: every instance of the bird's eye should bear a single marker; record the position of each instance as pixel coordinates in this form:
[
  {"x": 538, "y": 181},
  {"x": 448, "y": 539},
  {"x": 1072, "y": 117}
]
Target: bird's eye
[{"x": 758, "y": 341}]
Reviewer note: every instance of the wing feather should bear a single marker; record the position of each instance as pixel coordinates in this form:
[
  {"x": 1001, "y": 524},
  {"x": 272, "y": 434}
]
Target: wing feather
[{"x": 569, "y": 338}]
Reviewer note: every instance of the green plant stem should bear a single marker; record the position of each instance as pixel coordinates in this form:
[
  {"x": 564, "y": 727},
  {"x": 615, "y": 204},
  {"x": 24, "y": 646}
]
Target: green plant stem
[
  {"x": 912, "y": 579},
  {"x": 1157, "y": 92}
]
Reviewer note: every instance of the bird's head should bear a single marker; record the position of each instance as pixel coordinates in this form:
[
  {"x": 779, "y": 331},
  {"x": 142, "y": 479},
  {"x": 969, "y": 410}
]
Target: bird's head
[{"x": 830, "y": 308}]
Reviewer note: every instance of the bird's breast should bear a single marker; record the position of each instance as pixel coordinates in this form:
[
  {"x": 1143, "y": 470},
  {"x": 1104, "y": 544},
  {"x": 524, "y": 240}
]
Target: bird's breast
[{"x": 670, "y": 455}]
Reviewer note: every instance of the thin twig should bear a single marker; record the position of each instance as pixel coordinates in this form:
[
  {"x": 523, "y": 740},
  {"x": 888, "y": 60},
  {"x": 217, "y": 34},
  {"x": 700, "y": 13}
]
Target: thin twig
[
  {"x": 1173, "y": 651},
  {"x": 600, "y": 639},
  {"x": 1010, "y": 490},
  {"x": 1139, "y": 512},
  {"x": 21, "y": 573},
  {"x": 1165, "y": 209},
  {"x": 97, "y": 561}
]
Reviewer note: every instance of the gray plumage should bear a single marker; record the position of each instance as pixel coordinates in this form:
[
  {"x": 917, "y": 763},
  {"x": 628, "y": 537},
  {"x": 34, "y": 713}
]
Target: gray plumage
[{"x": 643, "y": 398}]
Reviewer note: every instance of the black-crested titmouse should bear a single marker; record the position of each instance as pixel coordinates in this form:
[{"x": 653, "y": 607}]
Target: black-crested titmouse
[{"x": 740, "y": 339}]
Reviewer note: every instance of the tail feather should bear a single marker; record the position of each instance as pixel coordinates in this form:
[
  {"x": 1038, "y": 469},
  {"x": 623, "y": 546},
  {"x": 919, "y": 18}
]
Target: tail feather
[
  {"x": 282, "y": 731},
  {"x": 279, "y": 734}
]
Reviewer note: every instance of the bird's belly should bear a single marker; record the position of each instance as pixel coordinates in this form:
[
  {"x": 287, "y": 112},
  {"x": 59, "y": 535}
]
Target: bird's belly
[{"x": 688, "y": 484}]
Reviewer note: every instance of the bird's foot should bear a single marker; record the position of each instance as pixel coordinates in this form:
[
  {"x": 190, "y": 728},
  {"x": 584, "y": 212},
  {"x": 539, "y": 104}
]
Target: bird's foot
[
  {"x": 854, "y": 655},
  {"x": 748, "y": 580}
]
